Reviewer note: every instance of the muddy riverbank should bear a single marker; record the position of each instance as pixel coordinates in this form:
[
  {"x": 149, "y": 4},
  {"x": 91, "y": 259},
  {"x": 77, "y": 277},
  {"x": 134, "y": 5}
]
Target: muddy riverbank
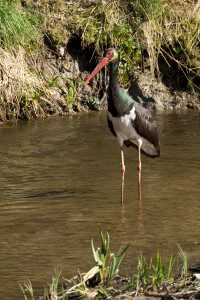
[
  {"x": 122, "y": 289},
  {"x": 60, "y": 88},
  {"x": 153, "y": 278},
  {"x": 44, "y": 63}
]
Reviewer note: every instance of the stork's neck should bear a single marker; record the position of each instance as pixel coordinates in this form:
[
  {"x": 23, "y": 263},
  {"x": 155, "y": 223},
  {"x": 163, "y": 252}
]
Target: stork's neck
[
  {"x": 118, "y": 101},
  {"x": 114, "y": 72}
]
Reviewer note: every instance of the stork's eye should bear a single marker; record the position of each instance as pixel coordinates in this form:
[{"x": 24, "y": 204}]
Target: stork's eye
[{"x": 109, "y": 54}]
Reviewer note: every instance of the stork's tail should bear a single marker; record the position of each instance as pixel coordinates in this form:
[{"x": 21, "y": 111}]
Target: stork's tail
[{"x": 147, "y": 148}]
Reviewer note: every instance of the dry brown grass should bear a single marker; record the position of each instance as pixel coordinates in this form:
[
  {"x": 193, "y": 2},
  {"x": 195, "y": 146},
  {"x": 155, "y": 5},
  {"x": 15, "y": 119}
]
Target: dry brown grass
[
  {"x": 26, "y": 93},
  {"x": 143, "y": 31},
  {"x": 168, "y": 29},
  {"x": 17, "y": 83}
]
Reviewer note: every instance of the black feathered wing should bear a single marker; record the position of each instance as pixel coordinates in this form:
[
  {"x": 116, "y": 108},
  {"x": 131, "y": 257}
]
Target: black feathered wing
[{"x": 146, "y": 128}]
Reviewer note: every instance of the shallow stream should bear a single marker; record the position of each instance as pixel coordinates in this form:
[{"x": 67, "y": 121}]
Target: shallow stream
[{"x": 60, "y": 177}]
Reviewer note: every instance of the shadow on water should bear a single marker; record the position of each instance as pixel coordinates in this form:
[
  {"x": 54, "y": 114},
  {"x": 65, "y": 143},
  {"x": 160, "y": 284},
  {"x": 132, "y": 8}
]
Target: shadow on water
[{"x": 60, "y": 177}]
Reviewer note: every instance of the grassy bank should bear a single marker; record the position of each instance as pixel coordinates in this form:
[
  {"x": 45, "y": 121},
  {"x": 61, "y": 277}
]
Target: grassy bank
[
  {"x": 160, "y": 37},
  {"x": 145, "y": 32},
  {"x": 152, "y": 277}
]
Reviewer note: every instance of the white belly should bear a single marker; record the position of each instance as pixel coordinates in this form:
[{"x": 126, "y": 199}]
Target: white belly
[{"x": 123, "y": 127}]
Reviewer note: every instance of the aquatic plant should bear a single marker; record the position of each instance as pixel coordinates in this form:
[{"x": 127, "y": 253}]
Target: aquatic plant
[
  {"x": 108, "y": 263},
  {"x": 152, "y": 274},
  {"x": 106, "y": 269},
  {"x": 183, "y": 257},
  {"x": 27, "y": 290}
]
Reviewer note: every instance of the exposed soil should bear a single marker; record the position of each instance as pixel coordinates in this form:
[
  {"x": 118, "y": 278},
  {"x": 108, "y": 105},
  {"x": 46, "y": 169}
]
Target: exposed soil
[
  {"x": 157, "y": 94},
  {"x": 122, "y": 288},
  {"x": 59, "y": 88}
]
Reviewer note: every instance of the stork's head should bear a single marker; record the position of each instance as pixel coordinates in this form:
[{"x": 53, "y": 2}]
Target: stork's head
[{"x": 111, "y": 55}]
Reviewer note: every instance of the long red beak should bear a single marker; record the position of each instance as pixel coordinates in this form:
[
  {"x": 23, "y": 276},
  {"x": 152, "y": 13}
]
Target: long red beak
[{"x": 102, "y": 64}]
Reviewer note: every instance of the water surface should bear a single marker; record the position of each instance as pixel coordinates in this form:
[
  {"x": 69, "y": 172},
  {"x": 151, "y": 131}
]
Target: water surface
[{"x": 60, "y": 177}]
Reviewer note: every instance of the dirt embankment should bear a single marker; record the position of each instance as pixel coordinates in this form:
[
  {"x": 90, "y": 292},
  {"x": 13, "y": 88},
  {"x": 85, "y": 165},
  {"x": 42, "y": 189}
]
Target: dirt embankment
[
  {"x": 76, "y": 62},
  {"x": 59, "y": 87},
  {"x": 43, "y": 73}
]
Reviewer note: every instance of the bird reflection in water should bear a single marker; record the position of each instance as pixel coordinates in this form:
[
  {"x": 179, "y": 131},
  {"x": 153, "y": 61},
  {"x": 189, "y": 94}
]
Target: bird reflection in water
[
  {"x": 140, "y": 225},
  {"x": 123, "y": 213}
]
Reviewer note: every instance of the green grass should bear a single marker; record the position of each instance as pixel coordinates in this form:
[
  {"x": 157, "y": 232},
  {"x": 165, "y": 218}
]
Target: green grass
[
  {"x": 20, "y": 39},
  {"x": 26, "y": 92},
  {"x": 18, "y": 28},
  {"x": 144, "y": 31},
  {"x": 27, "y": 290},
  {"x": 152, "y": 274},
  {"x": 107, "y": 262},
  {"x": 158, "y": 271},
  {"x": 184, "y": 259},
  {"x": 106, "y": 25}
]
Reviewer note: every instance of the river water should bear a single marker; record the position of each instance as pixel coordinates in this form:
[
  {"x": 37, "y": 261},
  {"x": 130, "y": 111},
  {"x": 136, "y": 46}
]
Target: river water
[{"x": 60, "y": 177}]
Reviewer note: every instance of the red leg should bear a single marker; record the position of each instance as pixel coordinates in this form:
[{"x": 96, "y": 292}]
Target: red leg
[
  {"x": 139, "y": 174},
  {"x": 123, "y": 173}
]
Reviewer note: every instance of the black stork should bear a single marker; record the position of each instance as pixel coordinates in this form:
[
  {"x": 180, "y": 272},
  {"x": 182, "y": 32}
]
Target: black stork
[{"x": 128, "y": 120}]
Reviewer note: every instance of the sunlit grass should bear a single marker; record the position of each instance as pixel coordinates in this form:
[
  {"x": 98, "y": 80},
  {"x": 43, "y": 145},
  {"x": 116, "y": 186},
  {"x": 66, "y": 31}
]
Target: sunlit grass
[
  {"x": 27, "y": 290},
  {"x": 167, "y": 29},
  {"x": 184, "y": 259},
  {"x": 144, "y": 31},
  {"x": 18, "y": 28},
  {"x": 108, "y": 263},
  {"x": 152, "y": 274}
]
